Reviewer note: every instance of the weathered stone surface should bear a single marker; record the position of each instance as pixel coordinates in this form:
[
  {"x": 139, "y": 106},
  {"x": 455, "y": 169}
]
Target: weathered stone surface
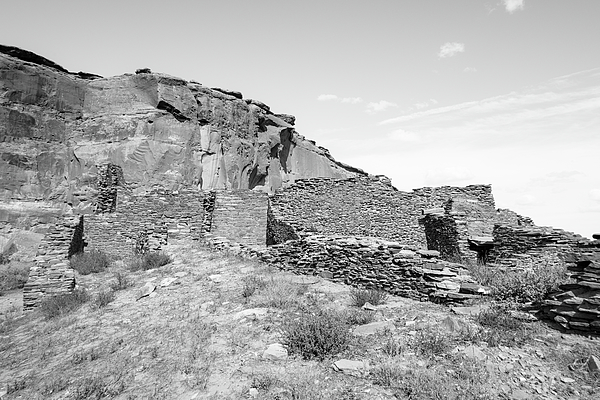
[
  {"x": 275, "y": 351},
  {"x": 57, "y": 127},
  {"x": 351, "y": 367},
  {"x": 373, "y": 327}
]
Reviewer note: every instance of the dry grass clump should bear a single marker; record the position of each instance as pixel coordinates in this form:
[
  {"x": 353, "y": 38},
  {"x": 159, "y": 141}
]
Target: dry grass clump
[
  {"x": 57, "y": 305},
  {"x": 279, "y": 293},
  {"x": 529, "y": 281},
  {"x": 501, "y": 328},
  {"x": 150, "y": 260},
  {"x": 90, "y": 262},
  {"x": 120, "y": 282},
  {"x": 103, "y": 298},
  {"x": 6, "y": 253},
  {"x": 251, "y": 285},
  {"x": 451, "y": 380},
  {"x": 359, "y": 297},
  {"x": 13, "y": 276},
  {"x": 316, "y": 335}
]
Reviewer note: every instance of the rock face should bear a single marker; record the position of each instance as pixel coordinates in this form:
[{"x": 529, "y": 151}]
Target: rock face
[{"x": 57, "y": 129}]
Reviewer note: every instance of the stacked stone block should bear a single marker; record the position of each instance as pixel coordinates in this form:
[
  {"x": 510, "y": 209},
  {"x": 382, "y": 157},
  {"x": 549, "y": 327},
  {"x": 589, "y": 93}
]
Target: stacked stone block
[
  {"x": 365, "y": 206},
  {"x": 51, "y": 273},
  {"x": 241, "y": 216}
]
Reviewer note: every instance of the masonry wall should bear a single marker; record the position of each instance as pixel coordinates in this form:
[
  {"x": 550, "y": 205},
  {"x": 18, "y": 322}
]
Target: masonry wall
[
  {"x": 241, "y": 216},
  {"x": 51, "y": 273},
  {"x": 365, "y": 206},
  {"x": 160, "y": 214}
]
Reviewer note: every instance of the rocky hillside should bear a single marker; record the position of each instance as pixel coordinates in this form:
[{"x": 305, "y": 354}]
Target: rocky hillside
[{"x": 56, "y": 127}]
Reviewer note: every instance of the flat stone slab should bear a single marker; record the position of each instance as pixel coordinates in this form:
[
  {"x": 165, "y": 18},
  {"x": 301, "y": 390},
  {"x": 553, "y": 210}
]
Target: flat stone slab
[
  {"x": 275, "y": 351},
  {"x": 473, "y": 310},
  {"x": 251, "y": 313},
  {"x": 351, "y": 367},
  {"x": 146, "y": 290},
  {"x": 373, "y": 327}
]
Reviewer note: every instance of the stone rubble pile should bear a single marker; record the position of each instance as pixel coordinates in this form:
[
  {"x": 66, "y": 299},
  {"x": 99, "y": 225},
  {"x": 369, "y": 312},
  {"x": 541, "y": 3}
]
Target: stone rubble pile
[{"x": 577, "y": 305}]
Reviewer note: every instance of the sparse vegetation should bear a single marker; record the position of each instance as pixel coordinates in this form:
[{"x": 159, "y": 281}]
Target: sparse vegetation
[
  {"x": 529, "y": 281},
  {"x": 13, "y": 276},
  {"x": 501, "y": 328},
  {"x": 53, "y": 306},
  {"x": 149, "y": 260},
  {"x": 432, "y": 342},
  {"x": 316, "y": 335},
  {"x": 120, "y": 281},
  {"x": 359, "y": 317},
  {"x": 6, "y": 253},
  {"x": 103, "y": 298},
  {"x": 372, "y": 296},
  {"x": 90, "y": 262},
  {"x": 251, "y": 285}
]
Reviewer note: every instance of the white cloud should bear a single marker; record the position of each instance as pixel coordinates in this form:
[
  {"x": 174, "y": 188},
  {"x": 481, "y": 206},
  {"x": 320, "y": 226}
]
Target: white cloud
[
  {"x": 379, "y": 106},
  {"x": 513, "y": 5},
  {"x": 595, "y": 194},
  {"x": 327, "y": 97},
  {"x": 450, "y": 49},
  {"x": 352, "y": 100},
  {"x": 470, "y": 69},
  {"x": 401, "y": 135},
  {"x": 425, "y": 104}
]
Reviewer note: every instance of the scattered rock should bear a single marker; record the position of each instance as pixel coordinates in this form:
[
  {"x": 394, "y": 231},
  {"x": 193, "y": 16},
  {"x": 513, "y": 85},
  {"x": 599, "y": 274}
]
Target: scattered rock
[
  {"x": 275, "y": 351},
  {"x": 369, "y": 307},
  {"x": 373, "y": 327},
  {"x": 167, "y": 282},
  {"x": 450, "y": 324},
  {"x": 145, "y": 290},
  {"x": 251, "y": 313},
  {"x": 472, "y": 310},
  {"x": 593, "y": 364},
  {"x": 217, "y": 278},
  {"x": 520, "y": 395},
  {"x": 350, "y": 367},
  {"x": 565, "y": 379},
  {"x": 474, "y": 352},
  {"x": 253, "y": 392}
]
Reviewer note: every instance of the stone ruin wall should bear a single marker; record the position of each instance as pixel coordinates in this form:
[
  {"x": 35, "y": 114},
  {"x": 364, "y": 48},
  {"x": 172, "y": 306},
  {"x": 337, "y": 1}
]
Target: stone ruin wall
[
  {"x": 363, "y": 206},
  {"x": 376, "y": 263},
  {"x": 576, "y": 306}
]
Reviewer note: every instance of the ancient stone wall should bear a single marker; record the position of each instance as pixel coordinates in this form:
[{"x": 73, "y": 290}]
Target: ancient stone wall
[
  {"x": 51, "y": 273},
  {"x": 241, "y": 216},
  {"x": 577, "y": 306},
  {"x": 367, "y": 262},
  {"x": 532, "y": 240},
  {"x": 365, "y": 206},
  {"x": 160, "y": 214}
]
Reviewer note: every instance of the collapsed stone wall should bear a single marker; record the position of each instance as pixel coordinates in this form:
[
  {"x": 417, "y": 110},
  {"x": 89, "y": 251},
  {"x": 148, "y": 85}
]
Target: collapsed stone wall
[
  {"x": 364, "y": 206},
  {"x": 577, "y": 305},
  {"x": 511, "y": 241},
  {"x": 51, "y": 273}
]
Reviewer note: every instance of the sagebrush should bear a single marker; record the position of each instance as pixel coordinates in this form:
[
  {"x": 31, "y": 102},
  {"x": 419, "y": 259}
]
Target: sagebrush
[{"x": 90, "y": 262}]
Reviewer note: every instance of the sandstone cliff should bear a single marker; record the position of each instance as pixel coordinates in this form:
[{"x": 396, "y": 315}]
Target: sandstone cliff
[{"x": 57, "y": 128}]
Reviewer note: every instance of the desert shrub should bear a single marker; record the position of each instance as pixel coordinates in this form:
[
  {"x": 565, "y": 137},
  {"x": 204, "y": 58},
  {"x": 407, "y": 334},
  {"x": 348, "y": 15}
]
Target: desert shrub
[
  {"x": 6, "y": 253},
  {"x": 431, "y": 342},
  {"x": 251, "y": 285},
  {"x": 392, "y": 347},
  {"x": 279, "y": 293},
  {"x": 57, "y": 305},
  {"x": 529, "y": 281},
  {"x": 501, "y": 328},
  {"x": 13, "y": 276},
  {"x": 463, "y": 381},
  {"x": 361, "y": 296},
  {"x": 120, "y": 282},
  {"x": 359, "y": 317},
  {"x": 90, "y": 262},
  {"x": 16, "y": 385},
  {"x": 149, "y": 260},
  {"x": 316, "y": 335},
  {"x": 103, "y": 298}
]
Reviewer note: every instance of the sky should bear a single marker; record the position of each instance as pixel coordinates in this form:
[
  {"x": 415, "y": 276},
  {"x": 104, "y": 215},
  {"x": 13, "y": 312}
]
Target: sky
[{"x": 426, "y": 92}]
